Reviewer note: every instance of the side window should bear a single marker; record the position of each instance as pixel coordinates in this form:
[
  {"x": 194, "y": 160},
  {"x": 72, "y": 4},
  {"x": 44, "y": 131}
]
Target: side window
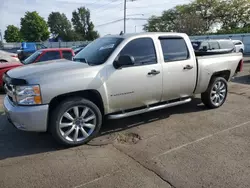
[
  {"x": 174, "y": 49},
  {"x": 50, "y": 56},
  {"x": 142, "y": 50},
  {"x": 203, "y": 44},
  {"x": 67, "y": 55},
  {"x": 226, "y": 45},
  {"x": 238, "y": 43},
  {"x": 214, "y": 46}
]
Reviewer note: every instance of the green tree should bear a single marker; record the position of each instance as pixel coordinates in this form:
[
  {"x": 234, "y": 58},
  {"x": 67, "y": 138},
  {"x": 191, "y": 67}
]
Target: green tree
[
  {"x": 60, "y": 26},
  {"x": 12, "y": 34},
  {"x": 181, "y": 18},
  {"x": 34, "y": 28},
  {"x": 207, "y": 10},
  {"x": 83, "y": 26},
  {"x": 234, "y": 14},
  {"x": 203, "y": 16}
]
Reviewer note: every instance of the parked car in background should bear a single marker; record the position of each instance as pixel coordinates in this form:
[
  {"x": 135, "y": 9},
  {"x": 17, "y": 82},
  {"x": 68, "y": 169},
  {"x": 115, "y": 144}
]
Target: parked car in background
[
  {"x": 77, "y": 49},
  {"x": 115, "y": 76},
  {"x": 39, "y": 56},
  {"x": 206, "y": 47},
  {"x": 28, "y": 48},
  {"x": 239, "y": 46},
  {"x": 8, "y": 57}
]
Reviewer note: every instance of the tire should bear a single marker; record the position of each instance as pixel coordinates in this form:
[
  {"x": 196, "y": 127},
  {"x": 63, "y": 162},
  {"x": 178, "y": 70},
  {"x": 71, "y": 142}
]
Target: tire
[
  {"x": 208, "y": 96},
  {"x": 58, "y": 118},
  {"x": 241, "y": 50}
]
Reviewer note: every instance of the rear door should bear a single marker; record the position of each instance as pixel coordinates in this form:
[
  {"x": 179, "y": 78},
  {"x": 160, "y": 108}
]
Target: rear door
[{"x": 179, "y": 68}]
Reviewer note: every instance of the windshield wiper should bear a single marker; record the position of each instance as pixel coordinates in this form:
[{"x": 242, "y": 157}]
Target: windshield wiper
[{"x": 83, "y": 60}]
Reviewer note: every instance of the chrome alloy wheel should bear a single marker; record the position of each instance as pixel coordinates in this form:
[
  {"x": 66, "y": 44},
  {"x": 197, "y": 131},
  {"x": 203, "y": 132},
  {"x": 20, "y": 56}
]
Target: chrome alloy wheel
[
  {"x": 77, "y": 123},
  {"x": 218, "y": 93}
]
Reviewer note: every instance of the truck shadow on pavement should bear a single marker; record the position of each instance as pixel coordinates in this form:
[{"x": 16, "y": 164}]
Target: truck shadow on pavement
[
  {"x": 242, "y": 79},
  {"x": 113, "y": 126},
  {"x": 14, "y": 143}
]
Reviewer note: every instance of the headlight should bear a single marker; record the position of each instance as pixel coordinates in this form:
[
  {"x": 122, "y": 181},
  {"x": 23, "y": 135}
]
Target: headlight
[{"x": 28, "y": 95}]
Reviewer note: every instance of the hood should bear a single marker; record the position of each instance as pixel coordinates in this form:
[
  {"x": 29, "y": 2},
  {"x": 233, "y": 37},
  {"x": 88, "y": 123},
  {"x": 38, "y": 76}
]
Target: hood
[
  {"x": 10, "y": 64},
  {"x": 46, "y": 68}
]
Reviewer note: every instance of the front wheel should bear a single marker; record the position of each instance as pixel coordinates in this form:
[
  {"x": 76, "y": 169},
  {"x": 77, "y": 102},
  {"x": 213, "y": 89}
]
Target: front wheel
[
  {"x": 75, "y": 121},
  {"x": 216, "y": 93}
]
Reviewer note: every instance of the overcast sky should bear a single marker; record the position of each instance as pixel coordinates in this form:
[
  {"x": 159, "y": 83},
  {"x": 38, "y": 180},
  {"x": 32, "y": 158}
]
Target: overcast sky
[{"x": 102, "y": 11}]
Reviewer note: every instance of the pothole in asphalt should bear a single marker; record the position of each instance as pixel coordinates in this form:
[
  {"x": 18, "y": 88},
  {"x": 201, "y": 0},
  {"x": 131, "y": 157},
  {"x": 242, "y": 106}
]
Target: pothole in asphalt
[
  {"x": 128, "y": 138},
  {"x": 103, "y": 140}
]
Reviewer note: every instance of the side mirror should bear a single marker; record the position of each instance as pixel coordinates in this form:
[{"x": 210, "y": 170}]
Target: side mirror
[
  {"x": 204, "y": 48},
  {"x": 124, "y": 60}
]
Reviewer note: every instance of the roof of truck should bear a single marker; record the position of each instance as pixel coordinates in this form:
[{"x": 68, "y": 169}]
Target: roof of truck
[{"x": 127, "y": 35}]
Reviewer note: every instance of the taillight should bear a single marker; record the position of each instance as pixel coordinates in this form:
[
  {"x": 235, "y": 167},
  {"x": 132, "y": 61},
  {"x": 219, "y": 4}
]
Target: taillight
[{"x": 14, "y": 56}]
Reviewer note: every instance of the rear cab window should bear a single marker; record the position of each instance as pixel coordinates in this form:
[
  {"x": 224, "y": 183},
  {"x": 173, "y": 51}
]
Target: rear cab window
[
  {"x": 67, "y": 54},
  {"x": 174, "y": 49}
]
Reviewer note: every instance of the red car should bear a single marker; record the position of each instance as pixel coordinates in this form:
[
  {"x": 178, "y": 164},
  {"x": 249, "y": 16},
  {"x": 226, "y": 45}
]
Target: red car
[{"x": 40, "y": 55}]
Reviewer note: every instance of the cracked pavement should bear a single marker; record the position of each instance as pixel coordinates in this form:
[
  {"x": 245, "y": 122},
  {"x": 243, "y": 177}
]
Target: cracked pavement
[{"x": 181, "y": 147}]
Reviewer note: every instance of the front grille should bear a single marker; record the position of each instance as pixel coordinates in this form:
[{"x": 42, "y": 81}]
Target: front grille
[{"x": 9, "y": 89}]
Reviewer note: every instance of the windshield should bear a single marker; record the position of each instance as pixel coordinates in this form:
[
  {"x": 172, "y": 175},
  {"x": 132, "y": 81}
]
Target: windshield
[
  {"x": 98, "y": 51},
  {"x": 32, "y": 58},
  {"x": 196, "y": 45}
]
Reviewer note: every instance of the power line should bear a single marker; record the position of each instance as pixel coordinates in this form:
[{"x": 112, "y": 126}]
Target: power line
[
  {"x": 93, "y": 3},
  {"x": 150, "y": 6},
  {"x": 111, "y": 22},
  {"x": 105, "y": 9},
  {"x": 121, "y": 19},
  {"x": 99, "y": 8}
]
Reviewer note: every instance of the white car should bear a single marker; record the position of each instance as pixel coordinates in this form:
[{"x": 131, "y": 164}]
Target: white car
[
  {"x": 239, "y": 46},
  {"x": 8, "y": 57}
]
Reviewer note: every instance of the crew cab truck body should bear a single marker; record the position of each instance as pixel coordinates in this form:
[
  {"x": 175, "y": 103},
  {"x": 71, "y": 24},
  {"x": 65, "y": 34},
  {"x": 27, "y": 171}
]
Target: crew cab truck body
[{"x": 115, "y": 76}]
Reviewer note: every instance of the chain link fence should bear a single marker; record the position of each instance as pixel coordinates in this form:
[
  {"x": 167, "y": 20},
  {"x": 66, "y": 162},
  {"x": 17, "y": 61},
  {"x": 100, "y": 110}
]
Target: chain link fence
[{"x": 13, "y": 47}]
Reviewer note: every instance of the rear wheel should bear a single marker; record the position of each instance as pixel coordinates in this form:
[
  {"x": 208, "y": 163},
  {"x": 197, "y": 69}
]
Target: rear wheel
[
  {"x": 216, "y": 93},
  {"x": 241, "y": 50},
  {"x": 75, "y": 121}
]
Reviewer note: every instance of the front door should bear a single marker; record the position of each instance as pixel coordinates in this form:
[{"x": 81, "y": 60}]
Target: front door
[{"x": 138, "y": 85}]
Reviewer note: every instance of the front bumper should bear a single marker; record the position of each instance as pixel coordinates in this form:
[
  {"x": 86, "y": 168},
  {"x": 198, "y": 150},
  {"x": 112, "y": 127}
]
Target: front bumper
[{"x": 27, "y": 118}]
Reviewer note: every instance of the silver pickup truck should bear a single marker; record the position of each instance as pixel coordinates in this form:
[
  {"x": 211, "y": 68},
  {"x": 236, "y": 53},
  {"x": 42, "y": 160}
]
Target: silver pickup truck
[{"x": 115, "y": 76}]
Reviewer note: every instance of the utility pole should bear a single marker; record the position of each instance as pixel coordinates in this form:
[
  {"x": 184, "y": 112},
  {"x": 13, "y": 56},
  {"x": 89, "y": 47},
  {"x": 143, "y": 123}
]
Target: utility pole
[
  {"x": 1, "y": 37},
  {"x": 125, "y": 10}
]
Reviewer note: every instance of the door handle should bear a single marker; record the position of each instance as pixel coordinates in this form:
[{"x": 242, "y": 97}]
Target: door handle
[
  {"x": 154, "y": 72},
  {"x": 188, "y": 67}
]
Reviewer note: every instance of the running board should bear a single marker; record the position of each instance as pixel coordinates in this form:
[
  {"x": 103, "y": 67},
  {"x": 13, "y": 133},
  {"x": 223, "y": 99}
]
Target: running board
[{"x": 149, "y": 109}]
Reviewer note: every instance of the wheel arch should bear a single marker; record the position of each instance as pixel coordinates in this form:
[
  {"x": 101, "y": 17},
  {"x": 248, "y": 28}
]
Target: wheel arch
[
  {"x": 224, "y": 74},
  {"x": 92, "y": 95}
]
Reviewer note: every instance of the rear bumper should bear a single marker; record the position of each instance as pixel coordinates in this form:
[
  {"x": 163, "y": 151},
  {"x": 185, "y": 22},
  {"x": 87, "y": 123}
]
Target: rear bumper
[{"x": 27, "y": 118}]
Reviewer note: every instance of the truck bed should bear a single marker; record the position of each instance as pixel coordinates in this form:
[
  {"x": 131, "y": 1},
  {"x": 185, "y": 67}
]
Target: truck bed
[{"x": 209, "y": 64}]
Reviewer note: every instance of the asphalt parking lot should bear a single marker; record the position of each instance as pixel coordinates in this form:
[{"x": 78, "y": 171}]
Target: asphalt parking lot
[{"x": 184, "y": 146}]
